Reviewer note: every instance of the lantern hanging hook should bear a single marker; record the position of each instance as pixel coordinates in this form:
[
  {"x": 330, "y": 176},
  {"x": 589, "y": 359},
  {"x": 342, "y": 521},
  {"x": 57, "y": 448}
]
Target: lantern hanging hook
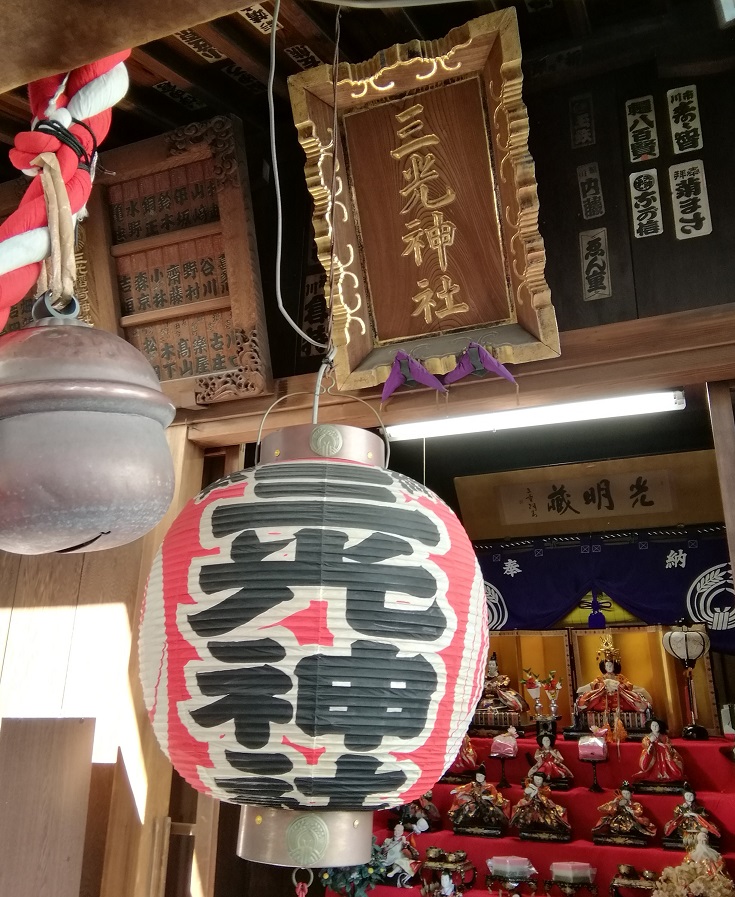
[{"x": 302, "y": 886}]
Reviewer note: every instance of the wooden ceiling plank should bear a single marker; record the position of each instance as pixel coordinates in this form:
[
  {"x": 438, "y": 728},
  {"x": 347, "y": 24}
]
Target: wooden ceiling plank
[
  {"x": 318, "y": 38},
  {"x": 161, "y": 70},
  {"x": 577, "y": 17},
  {"x": 156, "y": 111},
  {"x": 10, "y": 125},
  {"x": 205, "y": 82},
  {"x": 404, "y": 24},
  {"x": 205, "y": 85},
  {"x": 227, "y": 39}
]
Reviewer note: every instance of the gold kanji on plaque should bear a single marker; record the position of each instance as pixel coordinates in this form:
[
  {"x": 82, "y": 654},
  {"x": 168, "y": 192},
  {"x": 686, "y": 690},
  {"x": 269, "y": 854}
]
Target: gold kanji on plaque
[{"x": 425, "y": 203}]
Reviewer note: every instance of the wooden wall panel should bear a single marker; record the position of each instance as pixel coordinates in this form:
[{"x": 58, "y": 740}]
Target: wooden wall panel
[{"x": 44, "y": 770}]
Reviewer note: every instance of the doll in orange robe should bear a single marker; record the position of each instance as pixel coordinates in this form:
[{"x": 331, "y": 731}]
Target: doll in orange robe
[
  {"x": 659, "y": 760},
  {"x": 479, "y": 804}
]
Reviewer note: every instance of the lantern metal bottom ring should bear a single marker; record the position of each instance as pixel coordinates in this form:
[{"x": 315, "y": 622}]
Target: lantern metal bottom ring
[{"x": 306, "y": 839}]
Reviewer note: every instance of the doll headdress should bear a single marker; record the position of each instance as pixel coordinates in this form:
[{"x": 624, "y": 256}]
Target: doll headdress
[{"x": 607, "y": 650}]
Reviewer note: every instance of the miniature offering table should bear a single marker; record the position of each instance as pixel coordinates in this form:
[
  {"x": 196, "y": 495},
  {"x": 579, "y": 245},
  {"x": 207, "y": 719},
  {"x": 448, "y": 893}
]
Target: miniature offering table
[
  {"x": 569, "y": 887},
  {"x": 625, "y": 883},
  {"x": 462, "y": 873},
  {"x": 502, "y": 884}
]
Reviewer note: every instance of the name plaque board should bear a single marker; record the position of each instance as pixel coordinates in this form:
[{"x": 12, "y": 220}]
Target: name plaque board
[{"x": 433, "y": 203}]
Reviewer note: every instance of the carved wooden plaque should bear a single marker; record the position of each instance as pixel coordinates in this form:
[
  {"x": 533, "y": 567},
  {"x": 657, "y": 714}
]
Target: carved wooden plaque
[
  {"x": 179, "y": 253},
  {"x": 433, "y": 204}
]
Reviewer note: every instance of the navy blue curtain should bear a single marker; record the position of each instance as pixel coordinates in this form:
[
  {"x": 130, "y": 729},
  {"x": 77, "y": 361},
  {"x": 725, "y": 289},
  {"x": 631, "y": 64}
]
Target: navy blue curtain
[{"x": 659, "y": 576}]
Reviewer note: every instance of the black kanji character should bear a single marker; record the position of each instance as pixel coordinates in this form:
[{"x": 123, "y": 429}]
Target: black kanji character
[
  {"x": 356, "y": 777},
  {"x": 371, "y": 694}
]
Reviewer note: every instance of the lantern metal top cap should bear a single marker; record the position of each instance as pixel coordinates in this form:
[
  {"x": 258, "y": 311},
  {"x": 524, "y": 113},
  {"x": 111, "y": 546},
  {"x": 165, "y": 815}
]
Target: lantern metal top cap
[{"x": 318, "y": 442}]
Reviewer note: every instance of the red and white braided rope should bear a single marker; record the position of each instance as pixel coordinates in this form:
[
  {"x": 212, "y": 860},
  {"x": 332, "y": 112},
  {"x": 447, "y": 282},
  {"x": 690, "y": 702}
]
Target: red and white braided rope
[{"x": 86, "y": 94}]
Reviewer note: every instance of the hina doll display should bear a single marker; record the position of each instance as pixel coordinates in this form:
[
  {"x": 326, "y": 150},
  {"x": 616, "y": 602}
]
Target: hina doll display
[
  {"x": 401, "y": 858},
  {"x": 623, "y": 821},
  {"x": 549, "y": 761},
  {"x": 690, "y": 818},
  {"x": 478, "y": 808},
  {"x": 497, "y": 695},
  {"x": 536, "y": 815},
  {"x": 661, "y": 769}
]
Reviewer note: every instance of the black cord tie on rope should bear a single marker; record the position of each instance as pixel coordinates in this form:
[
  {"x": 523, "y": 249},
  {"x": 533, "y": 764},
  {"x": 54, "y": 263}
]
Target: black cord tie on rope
[{"x": 87, "y": 160}]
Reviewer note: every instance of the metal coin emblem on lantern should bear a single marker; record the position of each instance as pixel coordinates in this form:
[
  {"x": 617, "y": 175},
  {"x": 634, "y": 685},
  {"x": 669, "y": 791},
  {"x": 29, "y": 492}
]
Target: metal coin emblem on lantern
[{"x": 313, "y": 641}]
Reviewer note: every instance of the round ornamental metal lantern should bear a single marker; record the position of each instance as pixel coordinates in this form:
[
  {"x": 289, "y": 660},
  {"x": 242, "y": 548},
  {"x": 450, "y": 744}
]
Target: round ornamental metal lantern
[
  {"x": 312, "y": 644},
  {"x": 84, "y": 462}
]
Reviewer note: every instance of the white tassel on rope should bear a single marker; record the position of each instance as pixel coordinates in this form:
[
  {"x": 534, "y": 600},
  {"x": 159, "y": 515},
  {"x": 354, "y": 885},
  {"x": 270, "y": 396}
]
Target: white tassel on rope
[{"x": 101, "y": 93}]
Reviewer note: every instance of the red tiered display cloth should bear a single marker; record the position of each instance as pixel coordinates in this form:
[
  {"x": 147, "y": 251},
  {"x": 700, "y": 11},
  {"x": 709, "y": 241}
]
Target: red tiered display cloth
[{"x": 707, "y": 767}]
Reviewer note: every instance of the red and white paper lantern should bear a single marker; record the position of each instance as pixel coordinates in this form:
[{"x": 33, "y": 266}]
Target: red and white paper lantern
[{"x": 314, "y": 634}]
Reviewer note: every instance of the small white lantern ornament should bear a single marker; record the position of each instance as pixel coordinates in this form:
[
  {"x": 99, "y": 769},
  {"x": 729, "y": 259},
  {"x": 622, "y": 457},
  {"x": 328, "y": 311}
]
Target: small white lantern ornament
[
  {"x": 313, "y": 643},
  {"x": 688, "y": 645}
]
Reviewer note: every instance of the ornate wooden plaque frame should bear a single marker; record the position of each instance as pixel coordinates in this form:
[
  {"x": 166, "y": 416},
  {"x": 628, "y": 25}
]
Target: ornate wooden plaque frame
[
  {"x": 521, "y": 324},
  {"x": 172, "y": 257}
]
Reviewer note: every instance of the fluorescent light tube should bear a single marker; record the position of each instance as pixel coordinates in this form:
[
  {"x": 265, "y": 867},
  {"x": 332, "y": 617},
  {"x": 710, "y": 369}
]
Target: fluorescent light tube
[{"x": 620, "y": 406}]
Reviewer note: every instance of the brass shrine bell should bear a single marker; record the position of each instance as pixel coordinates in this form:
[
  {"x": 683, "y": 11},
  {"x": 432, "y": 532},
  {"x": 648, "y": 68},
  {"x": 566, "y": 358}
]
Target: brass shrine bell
[{"x": 84, "y": 461}]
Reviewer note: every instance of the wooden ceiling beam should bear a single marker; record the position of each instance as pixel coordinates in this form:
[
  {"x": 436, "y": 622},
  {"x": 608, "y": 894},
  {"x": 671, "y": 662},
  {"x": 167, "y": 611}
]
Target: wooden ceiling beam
[
  {"x": 577, "y": 17},
  {"x": 405, "y": 25},
  {"x": 319, "y": 39},
  {"x": 46, "y": 37},
  {"x": 210, "y": 87},
  {"x": 154, "y": 109},
  {"x": 223, "y": 35},
  {"x": 615, "y": 359},
  {"x": 9, "y": 127}
]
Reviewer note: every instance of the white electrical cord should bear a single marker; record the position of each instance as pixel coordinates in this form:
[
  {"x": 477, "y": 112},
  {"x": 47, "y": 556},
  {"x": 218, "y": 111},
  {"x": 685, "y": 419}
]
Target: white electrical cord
[
  {"x": 277, "y": 183},
  {"x": 387, "y": 4}
]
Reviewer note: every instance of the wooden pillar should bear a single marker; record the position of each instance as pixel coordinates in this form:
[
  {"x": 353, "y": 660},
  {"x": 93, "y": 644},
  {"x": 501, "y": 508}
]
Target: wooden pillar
[
  {"x": 719, "y": 398},
  {"x": 137, "y": 834}
]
